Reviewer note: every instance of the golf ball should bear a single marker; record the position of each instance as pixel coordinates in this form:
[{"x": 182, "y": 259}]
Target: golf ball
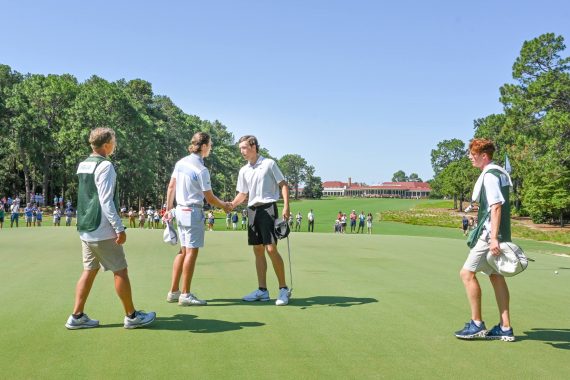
[{"x": 555, "y": 272}]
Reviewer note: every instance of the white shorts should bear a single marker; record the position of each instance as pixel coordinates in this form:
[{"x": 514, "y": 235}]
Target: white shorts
[
  {"x": 190, "y": 227},
  {"x": 477, "y": 259}
]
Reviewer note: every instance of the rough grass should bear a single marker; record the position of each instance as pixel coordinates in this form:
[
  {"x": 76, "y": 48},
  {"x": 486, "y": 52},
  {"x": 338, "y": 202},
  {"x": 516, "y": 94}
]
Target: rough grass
[
  {"x": 429, "y": 215},
  {"x": 424, "y": 217}
]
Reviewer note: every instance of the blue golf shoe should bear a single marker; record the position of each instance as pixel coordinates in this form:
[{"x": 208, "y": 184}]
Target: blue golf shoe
[
  {"x": 472, "y": 331},
  {"x": 497, "y": 333}
]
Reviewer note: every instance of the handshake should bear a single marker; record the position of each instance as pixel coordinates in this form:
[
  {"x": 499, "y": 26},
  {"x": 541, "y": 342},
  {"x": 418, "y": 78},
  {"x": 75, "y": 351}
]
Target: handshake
[
  {"x": 228, "y": 206},
  {"x": 168, "y": 215}
]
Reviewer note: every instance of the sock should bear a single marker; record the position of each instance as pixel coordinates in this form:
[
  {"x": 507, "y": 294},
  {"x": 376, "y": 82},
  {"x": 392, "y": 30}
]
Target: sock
[
  {"x": 286, "y": 288},
  {"x": 505, "y": 329},
  {"x": 77, "y": 316},
  {"x": 477, "y": 323},
  {"x": 262, "y": 289},
  {"x": 134, "y": 314}
]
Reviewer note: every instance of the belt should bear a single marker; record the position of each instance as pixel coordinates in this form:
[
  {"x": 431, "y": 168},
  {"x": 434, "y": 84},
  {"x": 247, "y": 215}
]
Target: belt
[
  {"x": 261, "y": 206},
  {"x": 188, "y": 208},
  {"x": 194, "y": 205}
]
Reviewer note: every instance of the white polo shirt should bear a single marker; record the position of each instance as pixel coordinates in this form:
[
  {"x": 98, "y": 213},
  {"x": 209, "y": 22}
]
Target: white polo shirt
[
  {"x": 493, "y": 193},
  {"x": 260, "y": 181},
  {"x": 192, "y": 179}
]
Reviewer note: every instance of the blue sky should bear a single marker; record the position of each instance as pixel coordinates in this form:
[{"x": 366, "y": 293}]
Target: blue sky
[{"x": 358, "y": 88}]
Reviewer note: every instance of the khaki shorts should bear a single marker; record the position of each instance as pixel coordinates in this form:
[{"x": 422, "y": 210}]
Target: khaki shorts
[
  {"x": 477, "y": 259},
  {"x": 105, "y": 253}
]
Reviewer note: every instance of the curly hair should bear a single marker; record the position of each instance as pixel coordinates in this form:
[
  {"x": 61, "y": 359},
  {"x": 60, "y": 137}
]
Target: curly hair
[
  {"x": 100, "y": 136},
  {"x": 480, "y": 146}
]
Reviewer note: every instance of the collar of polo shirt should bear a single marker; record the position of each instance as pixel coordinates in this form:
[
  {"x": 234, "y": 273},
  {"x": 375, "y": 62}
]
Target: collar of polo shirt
[
  {"x": 259, "y": 159},
  {"x": 198, "y": 157}
]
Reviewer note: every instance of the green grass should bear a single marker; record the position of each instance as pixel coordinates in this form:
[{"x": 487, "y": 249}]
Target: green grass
[
  {"x": 436, "y": 203},
  {"x": 392, "y": 217},
  {"x": 562, "y": 237},
  {"x": 364, "y": 307},
  {"x": 327, "y": 209},
  {"x": 424, "y": 217},
  {"x": 433, "y": 214}
]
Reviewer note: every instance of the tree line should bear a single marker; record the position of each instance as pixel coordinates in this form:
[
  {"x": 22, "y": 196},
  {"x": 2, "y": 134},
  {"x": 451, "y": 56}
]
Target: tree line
[
  {"x": 401, "y": 176},
  {"x": 533, "y": 131},
  {"x": 45, "y": 122}
]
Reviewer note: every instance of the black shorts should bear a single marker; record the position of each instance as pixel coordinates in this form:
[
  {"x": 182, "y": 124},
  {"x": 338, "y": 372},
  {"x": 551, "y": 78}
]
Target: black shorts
[{"x": 261, "y": 226}]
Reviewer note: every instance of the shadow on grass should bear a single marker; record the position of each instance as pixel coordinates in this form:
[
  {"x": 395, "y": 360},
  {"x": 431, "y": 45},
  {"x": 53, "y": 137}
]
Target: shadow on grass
[
  {"x": 557, "y": 338},
  {"x": 109, "y": 325},
  {"x": 336, "y": 301},
  {"x": 191, "y": 323},
  {"x": 303, "y": 303}
]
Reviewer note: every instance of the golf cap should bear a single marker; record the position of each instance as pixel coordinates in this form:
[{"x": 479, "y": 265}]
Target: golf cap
[
  {"x": 510, "y": 262},
  {"x": 170, "y": 236},
  {"x": 281, "y": 228}
]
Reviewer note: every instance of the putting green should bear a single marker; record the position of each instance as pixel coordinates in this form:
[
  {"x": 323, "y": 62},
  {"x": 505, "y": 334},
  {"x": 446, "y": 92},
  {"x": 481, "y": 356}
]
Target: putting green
[{"x": 364, "y": 306}]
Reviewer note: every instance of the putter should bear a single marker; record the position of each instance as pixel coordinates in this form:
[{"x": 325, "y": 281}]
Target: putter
[
  {"x": 282, "y": 231},
  {"x": 290, "y": 270}
]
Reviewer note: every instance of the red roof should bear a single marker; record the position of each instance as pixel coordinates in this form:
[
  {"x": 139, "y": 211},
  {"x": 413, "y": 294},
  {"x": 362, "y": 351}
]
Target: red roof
[
  {"x": 414, "y": 185},
  {"x": 335, "y": 184},
  {"x": 385, "y": 185}
]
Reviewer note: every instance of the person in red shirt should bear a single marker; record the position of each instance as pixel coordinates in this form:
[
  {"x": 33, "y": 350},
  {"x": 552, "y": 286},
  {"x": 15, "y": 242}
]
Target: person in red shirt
[{"x": 352, "y": 221}]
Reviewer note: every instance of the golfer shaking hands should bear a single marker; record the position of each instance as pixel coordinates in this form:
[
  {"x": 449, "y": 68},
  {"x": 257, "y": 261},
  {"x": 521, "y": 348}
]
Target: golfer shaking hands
[
  {"x": 189, "y": 185},
  {"x": 260, "y": 181}
]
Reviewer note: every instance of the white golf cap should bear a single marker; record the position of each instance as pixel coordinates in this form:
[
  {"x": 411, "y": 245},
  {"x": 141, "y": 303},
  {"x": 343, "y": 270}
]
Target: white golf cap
[
  {"x": 510, "y": 262},
  {"x": 169, "y": 235}
]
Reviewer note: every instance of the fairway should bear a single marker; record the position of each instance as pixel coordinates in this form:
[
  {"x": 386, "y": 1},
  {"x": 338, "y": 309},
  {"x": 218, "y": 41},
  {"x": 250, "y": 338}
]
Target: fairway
[{"x": 363, "y": 307}]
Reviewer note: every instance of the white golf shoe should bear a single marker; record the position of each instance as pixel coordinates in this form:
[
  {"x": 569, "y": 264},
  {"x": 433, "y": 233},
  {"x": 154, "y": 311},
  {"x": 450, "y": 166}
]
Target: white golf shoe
[
  {"x": 81, "y": 323},
  {"x": 141, "y": 319},
  {"x": 283, "y": 298},
  {"x": 257, "y": 295},
  {"x": 173, "y": 296},
  {"x": 190, "y": 299}
]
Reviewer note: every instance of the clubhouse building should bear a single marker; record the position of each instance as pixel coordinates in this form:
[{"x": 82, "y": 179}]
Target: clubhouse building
[{"x": 384, "y": 190}]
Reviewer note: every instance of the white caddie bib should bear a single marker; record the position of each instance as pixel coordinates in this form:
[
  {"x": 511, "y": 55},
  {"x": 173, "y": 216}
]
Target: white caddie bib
[{"x": 86, "y": 168}]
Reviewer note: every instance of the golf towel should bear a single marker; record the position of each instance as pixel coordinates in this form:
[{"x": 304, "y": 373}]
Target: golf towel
[{"x": 479, "y": 183}]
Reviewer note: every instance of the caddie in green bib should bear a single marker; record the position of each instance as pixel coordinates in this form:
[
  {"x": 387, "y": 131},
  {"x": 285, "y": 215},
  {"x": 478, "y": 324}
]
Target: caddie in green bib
[{"x": 88, "y": 205}]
